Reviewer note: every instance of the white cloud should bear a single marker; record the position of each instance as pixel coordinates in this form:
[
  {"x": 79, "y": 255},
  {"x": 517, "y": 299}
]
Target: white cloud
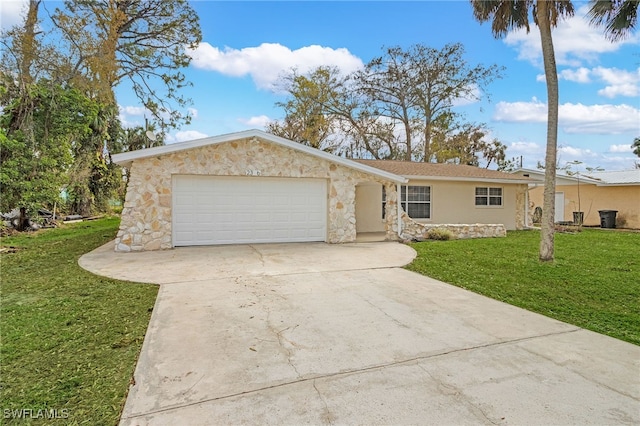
[
  {"x": 620, "y": 82},
  {"x": 11, "y": 13},
  {"x": 575, "y": 153},
  {"x": 523, "y": 147},
  {"x": 130, "y": 116},
  {"x": 268, "y": 61},
  {"x": 257, "y": 122},
  {"x": 580, "y": 75},
  {"x": 193, "y": 112},
  {"x": 574, "y": 118},
  {"x": 521, "y": 112},
  {"x": 599, "y": 119},
  {"x": 575, "y": 41},
  {"x": 186, "y": 135},
  {"x": 620, "y": 148},
  {"x": 132, "y": 110},
  {"x": 619, "y": 90},
  {"x": 473, "y": 95}
]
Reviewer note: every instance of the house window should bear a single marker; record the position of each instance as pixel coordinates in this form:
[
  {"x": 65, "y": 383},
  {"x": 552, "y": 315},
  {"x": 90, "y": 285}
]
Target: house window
[
  {"x": 415, "y": 200},
  {"x": 487, "y": 196}
]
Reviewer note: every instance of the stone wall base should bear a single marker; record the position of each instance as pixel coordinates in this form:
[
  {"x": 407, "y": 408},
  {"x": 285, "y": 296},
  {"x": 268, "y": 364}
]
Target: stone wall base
[{"x": 415, "y": 231}]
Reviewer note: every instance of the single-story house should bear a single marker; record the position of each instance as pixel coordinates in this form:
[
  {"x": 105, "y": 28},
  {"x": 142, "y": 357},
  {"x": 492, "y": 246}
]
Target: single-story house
[
  {"x": 254, "y": 187},
  {"x": 590, "y": 192},
  {"x": 437, "y": 194}
]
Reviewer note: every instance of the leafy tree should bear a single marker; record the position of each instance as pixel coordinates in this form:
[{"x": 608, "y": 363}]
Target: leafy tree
[
  {"x": 618, "y": 17},
  {"x": 507, "y": 15},
  {"x": 389, "y": 83},
  {"x": 35, "y": 158},
  {"x": 92, "y": 47},
  {"x": 636, "y": 146},
  {"x": 306, "y": 120},
  {"x": 392, "y": 109},
  {"x": 464, "y": 143},
  {"x": 138, "y": 42}
]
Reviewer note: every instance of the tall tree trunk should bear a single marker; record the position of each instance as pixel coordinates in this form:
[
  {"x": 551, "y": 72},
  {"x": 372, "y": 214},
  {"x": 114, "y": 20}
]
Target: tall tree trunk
[
  {"x": 550, "y": 71},
  {"x": 427, "y": 140},
  {"x": 28, "y": 42}
]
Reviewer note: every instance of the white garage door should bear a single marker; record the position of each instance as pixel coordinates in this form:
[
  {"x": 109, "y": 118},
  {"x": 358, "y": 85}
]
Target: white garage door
[{"x": 236, "y": 210}]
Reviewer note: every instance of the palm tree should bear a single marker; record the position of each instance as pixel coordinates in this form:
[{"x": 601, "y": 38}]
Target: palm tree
[
  {"x": 507, "y": 15},
  {"x": 618, "y": 17}
]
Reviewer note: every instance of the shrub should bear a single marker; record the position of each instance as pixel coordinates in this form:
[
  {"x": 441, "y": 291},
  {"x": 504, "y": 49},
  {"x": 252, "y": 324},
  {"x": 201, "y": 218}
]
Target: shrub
[{"x": 440, "y": 234}]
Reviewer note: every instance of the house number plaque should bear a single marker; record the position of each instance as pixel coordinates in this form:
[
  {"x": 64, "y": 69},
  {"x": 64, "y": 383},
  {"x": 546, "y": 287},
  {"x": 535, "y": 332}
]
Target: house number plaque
[{"x": 250, "y": 172}]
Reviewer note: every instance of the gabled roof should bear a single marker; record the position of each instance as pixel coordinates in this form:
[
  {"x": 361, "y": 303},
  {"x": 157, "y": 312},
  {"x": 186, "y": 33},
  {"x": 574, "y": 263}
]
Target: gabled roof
[
  {"x": 619, "y": 177},
  {"x": 604, "y": 178},
  {"x": 126, "y": 158},
  {"x": 443, "y": 171}
]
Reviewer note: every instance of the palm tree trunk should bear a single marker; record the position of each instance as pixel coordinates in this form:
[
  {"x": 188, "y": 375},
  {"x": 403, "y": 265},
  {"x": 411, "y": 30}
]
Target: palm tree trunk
[{"x": 550, "y": 71}]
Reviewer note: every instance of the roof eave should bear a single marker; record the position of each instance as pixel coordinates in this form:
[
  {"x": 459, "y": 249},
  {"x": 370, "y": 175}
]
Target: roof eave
[
  {"x": 469, "y": 179},
  {"x": 127, "y": 158}
]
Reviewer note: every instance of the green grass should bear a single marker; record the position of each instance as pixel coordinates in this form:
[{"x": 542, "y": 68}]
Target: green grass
[
  {"x": 594, "y": 282},
  {"x": 70, "y": 339}
]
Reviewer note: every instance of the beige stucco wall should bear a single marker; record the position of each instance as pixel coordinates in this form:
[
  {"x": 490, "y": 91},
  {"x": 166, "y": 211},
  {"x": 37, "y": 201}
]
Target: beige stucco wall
[
  {"x": 369, "y": 208},
  {"x": 451, "y": 203},
  {"x": 625, "y": 199},
  {"x": 146, "y": 216}
]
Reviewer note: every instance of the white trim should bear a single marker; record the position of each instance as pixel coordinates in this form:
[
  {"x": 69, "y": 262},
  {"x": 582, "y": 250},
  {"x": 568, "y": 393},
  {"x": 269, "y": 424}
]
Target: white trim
[
  {"x": 526, "y": 209},
  {"x": 126, "y": 158},
  {"x": 399, "y": 208},
  {"x": 470, "y": 179},
  {"x": 561, "y": 178},
  {"x": 489, "y": 205},
  {"x": 403, "y": 201},
  {"x": 555, "y": 204}
]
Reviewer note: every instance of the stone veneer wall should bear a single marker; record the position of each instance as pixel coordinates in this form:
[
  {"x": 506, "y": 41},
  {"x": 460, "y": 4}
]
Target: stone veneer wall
[
  {"x": 521, "y": 207},
  {"x": 414, "y": 231},
  {"x": 146, "y": 215}
]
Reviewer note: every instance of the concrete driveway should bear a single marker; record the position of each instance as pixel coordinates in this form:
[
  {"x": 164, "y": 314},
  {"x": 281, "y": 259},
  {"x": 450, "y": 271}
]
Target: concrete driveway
[{"x": 340, "y": 334}]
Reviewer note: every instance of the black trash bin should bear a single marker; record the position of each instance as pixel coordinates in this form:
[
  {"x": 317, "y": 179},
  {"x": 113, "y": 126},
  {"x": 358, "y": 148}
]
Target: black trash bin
[{"x": 608, "y": 218}]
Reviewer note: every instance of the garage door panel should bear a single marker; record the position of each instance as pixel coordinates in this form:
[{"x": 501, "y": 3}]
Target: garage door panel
[{"x": 219, "y": 210}]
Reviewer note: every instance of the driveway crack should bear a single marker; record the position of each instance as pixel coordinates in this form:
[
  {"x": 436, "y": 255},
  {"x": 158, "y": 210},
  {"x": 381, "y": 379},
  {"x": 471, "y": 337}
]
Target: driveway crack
[
  {"x": 260, "y": 256},
  {"x": 281, "y": 340},
  {"x": 458, "y": 394},
  {"x": 376, "y": 367},
  {"x": 327, "y": 416},
  {"x": 395, "y": 320}
]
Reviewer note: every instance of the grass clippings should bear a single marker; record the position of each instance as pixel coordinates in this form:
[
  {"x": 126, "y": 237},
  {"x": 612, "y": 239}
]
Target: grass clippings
[{"x": 70, "y": 339}]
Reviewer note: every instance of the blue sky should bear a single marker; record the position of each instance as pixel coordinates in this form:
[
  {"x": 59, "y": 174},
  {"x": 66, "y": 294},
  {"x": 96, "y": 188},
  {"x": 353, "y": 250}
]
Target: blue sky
[{"x": 246, "y": 45}]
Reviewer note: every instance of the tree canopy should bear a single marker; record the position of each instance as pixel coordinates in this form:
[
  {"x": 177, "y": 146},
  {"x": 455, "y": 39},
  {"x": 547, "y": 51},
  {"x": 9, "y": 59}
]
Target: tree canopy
[
  {"x": 400, "y": 106},
  {"x": 618, "y": 17},
  {"x": 59, "y": 120}
]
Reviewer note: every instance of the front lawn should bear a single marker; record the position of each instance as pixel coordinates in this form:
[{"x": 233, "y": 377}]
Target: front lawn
[
  {"x": 70, "y": 339},
  {"x": 594, "y": 282}
]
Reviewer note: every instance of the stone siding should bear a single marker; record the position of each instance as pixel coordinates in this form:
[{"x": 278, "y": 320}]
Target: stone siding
[
  {"x": 521, "y": 207},
  {"x": 146, "y": 222},
  {"x": 414, "y": 231}
]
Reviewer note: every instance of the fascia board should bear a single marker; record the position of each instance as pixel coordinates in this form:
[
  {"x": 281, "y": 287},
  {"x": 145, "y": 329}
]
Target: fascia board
[
  {"x": 126, "y": 158},
  {"x": 470, "y": 179}
]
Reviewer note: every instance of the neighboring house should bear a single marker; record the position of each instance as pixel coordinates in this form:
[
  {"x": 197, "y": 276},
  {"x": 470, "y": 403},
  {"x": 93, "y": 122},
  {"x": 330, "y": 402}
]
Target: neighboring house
[
  {"x": 254, "y": 187},
  {"x": 591, "y": 192}
]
